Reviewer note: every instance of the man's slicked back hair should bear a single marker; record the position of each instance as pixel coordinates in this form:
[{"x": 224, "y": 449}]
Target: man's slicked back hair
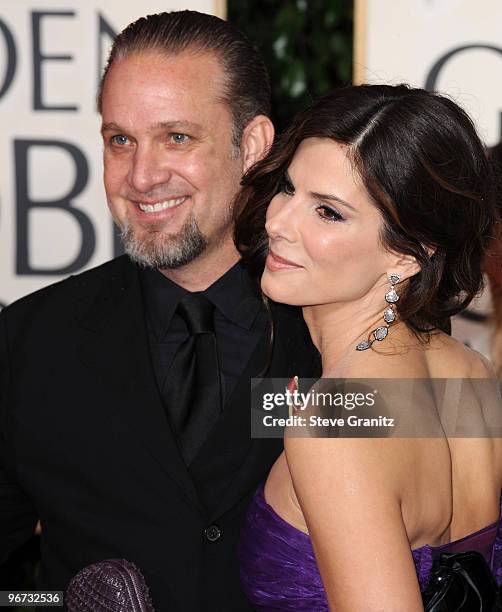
[{"x": 246, "y": 89}]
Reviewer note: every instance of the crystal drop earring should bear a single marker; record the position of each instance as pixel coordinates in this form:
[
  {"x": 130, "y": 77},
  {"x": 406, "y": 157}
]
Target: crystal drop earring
[{"x": 389, "y": 315}]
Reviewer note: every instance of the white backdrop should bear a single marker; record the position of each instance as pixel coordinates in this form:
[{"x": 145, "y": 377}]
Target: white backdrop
[
  {"x": 452, "y": 46},
  {"x": 53, "y": 215}
]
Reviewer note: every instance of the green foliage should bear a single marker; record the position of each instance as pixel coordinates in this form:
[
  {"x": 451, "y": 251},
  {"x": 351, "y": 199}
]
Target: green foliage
[{"x": 306, "y": 44}]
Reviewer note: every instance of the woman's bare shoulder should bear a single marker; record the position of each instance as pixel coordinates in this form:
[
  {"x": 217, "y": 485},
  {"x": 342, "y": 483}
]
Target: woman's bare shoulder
[
  {"x": 448, "y": 358},
  {"x": 441, "y": 356}
]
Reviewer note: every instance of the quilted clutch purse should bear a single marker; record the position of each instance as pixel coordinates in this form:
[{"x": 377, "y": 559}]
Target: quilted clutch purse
[
  {"x": 114, "y": 585},
  {"x": 462, "y": 582}
]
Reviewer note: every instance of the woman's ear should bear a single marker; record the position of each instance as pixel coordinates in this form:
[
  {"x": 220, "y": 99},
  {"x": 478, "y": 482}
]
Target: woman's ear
[
  {"x": 405, "y": 267},
  {"x": 256, "y": 140}
]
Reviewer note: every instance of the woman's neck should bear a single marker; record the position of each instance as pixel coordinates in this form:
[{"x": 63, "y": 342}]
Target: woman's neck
[{"x": 337, "y": 328}]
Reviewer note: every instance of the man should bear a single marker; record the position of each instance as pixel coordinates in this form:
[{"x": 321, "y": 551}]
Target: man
[{"x": 101, "y": 436}]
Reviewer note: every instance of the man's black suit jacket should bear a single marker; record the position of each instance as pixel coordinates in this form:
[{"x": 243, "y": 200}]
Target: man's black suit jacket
[{"x": 86, "y": 447}]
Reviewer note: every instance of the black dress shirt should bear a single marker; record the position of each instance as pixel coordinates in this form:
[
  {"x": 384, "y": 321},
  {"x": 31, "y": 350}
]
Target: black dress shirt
[{"x": 240, "y": 319}]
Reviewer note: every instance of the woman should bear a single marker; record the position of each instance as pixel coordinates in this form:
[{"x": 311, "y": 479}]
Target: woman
[{"x": 377, "y": 207}]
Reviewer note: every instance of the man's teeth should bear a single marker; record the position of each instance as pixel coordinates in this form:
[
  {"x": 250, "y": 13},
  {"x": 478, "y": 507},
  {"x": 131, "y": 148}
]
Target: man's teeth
[{"x": 149, "y": 208}]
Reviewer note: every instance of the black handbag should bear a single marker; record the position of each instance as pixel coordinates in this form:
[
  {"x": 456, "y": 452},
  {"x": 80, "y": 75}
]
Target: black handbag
[{"x": 461, "y": 582}]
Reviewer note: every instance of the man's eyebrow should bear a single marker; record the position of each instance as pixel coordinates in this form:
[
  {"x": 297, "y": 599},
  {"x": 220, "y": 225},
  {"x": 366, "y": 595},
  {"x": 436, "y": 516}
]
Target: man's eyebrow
[
  {"x": 189, "y": 126},
  {"x": 334, "y": 198},
  {"x": 106, "y": 127},
  {"x": 178, "y": 125}
]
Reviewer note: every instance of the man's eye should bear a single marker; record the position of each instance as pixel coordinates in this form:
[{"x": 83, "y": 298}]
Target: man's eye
[
  {"x": 179, "y": 138},
  {"x": 119, "y": 139}
]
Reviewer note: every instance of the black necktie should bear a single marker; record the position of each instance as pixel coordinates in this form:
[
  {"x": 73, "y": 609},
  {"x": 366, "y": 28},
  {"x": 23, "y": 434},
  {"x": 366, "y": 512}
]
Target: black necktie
[{"x": 193, "y": 385}]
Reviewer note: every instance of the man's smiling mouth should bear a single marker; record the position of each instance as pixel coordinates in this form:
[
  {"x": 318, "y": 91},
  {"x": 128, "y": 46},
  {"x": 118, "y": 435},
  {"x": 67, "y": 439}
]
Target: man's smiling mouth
[{"x": 160, "y": 206}]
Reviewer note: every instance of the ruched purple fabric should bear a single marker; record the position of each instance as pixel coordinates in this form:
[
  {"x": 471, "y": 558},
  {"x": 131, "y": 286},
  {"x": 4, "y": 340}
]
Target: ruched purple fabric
[{"x": 279, "y": 570}]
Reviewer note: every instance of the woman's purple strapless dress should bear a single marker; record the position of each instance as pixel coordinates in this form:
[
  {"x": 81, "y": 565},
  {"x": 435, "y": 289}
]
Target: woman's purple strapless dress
[{"x": 279, "y": 570}]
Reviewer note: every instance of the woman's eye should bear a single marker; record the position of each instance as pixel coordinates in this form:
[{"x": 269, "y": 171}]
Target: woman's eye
[
  {"x": 328, "y": 214},
  {"x": 179, "y": 138},
  {"x": 119, "y": 139},
  {"x": 285, "y": 186}
]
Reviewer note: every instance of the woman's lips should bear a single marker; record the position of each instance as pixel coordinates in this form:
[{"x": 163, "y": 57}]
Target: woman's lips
[{"x": 274, "y": 262}]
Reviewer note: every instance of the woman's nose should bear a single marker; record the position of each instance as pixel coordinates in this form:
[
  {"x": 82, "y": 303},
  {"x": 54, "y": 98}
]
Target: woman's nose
[{"x": 281, "y": 219}]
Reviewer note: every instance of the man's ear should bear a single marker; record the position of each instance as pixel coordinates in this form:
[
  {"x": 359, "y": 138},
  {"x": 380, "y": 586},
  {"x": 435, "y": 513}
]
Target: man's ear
[{"x": 256, "y": 140}]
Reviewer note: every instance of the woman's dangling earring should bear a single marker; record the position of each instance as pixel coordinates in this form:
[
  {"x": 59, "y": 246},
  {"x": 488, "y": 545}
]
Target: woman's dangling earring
[{"x": 389, "y": 315}]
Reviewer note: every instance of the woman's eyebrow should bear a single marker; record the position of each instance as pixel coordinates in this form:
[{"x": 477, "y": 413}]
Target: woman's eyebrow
[
  {"x": 323, "y": 196},
  {"x": 326, "y": 196}
]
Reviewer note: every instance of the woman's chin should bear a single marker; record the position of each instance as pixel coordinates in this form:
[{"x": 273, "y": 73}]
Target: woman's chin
[{"x": 280, "y": 293}]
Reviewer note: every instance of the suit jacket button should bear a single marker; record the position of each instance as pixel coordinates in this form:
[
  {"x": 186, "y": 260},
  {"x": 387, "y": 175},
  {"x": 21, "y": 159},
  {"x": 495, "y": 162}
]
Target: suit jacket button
[{"x": 212, "y": 533}]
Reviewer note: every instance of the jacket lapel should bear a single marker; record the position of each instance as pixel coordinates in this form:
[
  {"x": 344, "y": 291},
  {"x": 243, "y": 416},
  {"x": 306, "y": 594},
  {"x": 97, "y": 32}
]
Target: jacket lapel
[{"x": 115, "y": 343}]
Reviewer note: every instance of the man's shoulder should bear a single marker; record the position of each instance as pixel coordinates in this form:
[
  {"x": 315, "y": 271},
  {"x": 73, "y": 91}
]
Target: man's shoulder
[
  {"x": 285, "y": 315},
  {"x": 72, "y": 290},
  {"x": 291, "y": 331}
]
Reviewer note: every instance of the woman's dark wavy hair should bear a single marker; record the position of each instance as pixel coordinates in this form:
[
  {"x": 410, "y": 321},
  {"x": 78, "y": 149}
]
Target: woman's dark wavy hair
[{"x": 422, "y": 163}]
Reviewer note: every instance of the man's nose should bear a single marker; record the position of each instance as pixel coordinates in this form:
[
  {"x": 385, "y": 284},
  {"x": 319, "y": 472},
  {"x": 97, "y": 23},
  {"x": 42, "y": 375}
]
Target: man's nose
[{"x": 150, "y": 168}]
